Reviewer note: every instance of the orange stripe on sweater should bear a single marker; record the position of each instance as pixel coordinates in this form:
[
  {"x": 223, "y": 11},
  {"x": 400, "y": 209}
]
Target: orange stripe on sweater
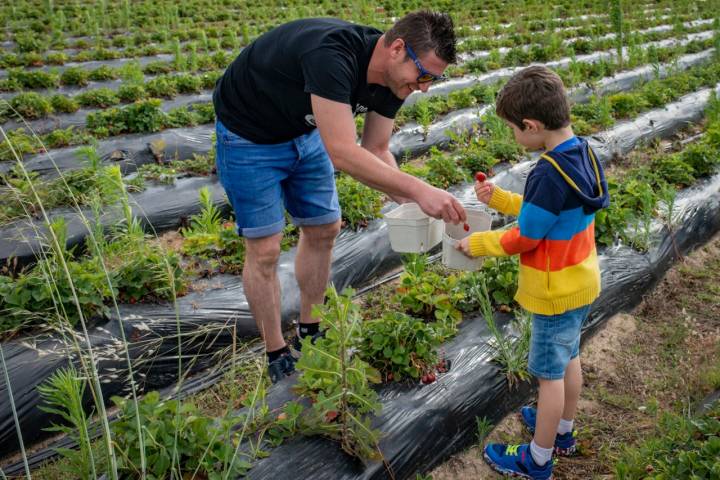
[{"x": 561, "y": 253}]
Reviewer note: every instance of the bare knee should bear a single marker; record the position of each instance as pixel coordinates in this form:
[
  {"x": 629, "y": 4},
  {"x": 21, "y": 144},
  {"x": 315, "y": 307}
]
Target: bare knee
[
  {"x": 261, "y": 254},
  {"x": 322, "y": 236}
]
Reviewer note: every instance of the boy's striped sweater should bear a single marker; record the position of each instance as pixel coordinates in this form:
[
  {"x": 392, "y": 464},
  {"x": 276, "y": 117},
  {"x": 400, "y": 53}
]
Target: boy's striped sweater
[{"x": 555, "y": 236}]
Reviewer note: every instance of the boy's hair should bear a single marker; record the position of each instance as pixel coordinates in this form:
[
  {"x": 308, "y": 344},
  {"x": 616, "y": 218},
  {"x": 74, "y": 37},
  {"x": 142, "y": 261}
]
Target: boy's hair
[
  {"x": 426, "y": 31},
  {"x": 534, "y": 93}
]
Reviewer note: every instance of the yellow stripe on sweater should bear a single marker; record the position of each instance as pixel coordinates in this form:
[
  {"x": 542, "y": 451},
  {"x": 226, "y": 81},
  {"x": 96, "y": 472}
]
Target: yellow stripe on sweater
[{"x": 551, "y": 293}]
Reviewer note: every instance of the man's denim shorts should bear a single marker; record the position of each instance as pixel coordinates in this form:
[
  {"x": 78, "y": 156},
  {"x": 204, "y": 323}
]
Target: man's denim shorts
[
  {"x": 555, "y": 341},
  {"x": 262, "y": 181}
]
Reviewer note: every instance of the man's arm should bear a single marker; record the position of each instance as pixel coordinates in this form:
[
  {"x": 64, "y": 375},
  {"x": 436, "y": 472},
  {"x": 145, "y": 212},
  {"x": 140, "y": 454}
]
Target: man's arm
[{"x": 337, "y": 129}]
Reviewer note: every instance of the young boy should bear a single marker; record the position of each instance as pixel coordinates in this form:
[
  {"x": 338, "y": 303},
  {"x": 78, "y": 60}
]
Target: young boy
[{"x": 559, "y": 273}]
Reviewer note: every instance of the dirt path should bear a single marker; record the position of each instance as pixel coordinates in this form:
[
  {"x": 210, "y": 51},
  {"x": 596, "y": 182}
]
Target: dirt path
[{"x": 665, "y": 355}]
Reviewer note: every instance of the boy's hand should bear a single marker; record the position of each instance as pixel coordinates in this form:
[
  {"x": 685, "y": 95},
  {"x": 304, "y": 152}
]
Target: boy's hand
[
  {"x": 484, "y": 191},
  {"x": 464, "y": 246}
]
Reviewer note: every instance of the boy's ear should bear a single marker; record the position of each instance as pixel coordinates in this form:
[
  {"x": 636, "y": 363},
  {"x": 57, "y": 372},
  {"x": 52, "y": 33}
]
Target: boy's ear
[{"x": 532, "y": 126}]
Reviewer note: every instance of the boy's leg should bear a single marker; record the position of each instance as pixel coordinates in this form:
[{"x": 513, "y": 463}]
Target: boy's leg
[
  {"x": 551, "y": 399},
  {"x": 573, "y": 385}
]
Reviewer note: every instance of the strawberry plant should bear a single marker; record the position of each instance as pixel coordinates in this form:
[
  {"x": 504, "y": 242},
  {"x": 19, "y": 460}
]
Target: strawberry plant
[
  {"x": 64, "y": 104},
  {"x": 131, "y": 92},
  {"x": 150, "y": 273},
  {"x": 99, "y": 97},
  {"x": 442, "y": 170},
  {"x": 359, "y": 204},
  {"x": 162, "y": 87},
  {"x": 177, "y": 438},
  {"x": 199, "y": 165},
  {"x": 208, "y": 237},
  {"x": 103, "y": 73},
  {"x": 338, "y": 382},
  {"x": 427, "y": 293},
  {"x": 31, "y": 105},
  {"x": 56, "y": 58},
  {"x": 75, "y": 76},
  {"x": 400, "y": 346}
]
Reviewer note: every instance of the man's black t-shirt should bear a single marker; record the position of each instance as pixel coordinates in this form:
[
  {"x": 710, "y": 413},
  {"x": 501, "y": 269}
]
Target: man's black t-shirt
[{"x": 264, "y": 95}]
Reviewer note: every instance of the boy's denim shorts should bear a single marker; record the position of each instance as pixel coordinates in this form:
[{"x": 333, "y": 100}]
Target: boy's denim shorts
[
  {"x": 262, "y": 181},
  {"x": 554, "y": 342}
]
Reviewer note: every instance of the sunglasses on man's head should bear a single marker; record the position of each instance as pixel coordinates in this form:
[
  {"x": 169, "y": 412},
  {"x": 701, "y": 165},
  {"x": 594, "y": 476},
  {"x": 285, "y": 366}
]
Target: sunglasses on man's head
[{"x": 424, "y": 76}]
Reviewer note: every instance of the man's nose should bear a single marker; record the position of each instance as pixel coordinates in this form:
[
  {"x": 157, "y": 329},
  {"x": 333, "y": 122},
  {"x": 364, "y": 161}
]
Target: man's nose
[{"x": 424, "y": 86}]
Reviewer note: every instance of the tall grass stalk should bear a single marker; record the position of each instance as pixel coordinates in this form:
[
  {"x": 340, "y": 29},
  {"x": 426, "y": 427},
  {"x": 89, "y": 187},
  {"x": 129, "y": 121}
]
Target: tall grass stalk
[
  {"x": 510, "y": 352},
  {"x": 16, "y": 420},
  {"x": 90, "y": 365}
]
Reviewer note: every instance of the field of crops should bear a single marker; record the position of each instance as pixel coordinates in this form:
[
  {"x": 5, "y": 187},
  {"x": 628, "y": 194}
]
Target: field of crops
[{"x": 121, "y": 303}]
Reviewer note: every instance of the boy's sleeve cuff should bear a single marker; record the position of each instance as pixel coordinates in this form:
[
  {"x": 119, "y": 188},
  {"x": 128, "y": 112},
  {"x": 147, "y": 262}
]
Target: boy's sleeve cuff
[
  {"x": 477, "y": 245},
  {"x": 499, "y": 199}
]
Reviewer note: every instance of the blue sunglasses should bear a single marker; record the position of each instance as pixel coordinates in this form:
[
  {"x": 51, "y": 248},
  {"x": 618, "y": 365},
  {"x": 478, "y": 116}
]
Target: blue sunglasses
[{"x": 424, "y": 76}]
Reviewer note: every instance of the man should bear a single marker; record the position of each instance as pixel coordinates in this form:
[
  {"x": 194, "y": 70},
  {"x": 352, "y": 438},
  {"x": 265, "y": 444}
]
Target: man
[{"x": 285, "y": 122}]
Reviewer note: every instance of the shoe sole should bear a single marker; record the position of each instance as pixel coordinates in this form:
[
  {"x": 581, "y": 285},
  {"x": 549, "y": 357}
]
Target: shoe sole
[
  {"x": 506, "y": 472},
  {"x": 560, "y": 452}
]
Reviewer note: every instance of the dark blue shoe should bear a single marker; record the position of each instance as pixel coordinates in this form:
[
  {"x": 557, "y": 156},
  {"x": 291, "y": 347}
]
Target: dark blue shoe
[
  {"x": 565, "y": 444},
  {"x": 297, "y": 341},
  {"x": 281, "y": 367},
  {"x": 516, "y": 461}
]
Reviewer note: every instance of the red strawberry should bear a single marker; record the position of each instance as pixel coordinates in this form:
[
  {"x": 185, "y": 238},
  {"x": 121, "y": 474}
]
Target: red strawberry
[
  {"x": 480, "y": 177},
  {"x": 331, "y": 415},
  {"x": 466, "y": 227}
]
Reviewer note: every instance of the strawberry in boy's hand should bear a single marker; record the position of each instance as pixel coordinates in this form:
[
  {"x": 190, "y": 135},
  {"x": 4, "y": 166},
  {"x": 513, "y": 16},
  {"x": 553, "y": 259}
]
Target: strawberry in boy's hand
[{"x": 483, "y": 189}]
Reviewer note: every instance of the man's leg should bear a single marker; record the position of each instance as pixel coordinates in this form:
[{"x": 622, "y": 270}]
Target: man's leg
[
  {"x": 312, "y": 266},
  {"x": 262, "y": 288}
]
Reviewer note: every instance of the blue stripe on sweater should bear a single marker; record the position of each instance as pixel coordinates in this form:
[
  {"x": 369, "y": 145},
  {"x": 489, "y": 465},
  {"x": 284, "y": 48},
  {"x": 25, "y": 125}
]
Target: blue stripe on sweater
[
  {"x": 534, "y": 221},
  {"x": 569, "y": 224}
]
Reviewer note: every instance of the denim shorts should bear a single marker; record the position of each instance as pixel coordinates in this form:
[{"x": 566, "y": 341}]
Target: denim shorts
[
  {"x": 555, "y": 341},
  {"x": 262, "y": 181}
]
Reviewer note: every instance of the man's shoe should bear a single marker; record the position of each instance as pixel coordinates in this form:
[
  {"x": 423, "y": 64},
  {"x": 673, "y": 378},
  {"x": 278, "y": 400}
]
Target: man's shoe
[
  {"x": 565, "y": 444},
  {"x": 297, "y": 341},
  {"x": 281, "y": 367},
  {"x": 516, "y": 461}
]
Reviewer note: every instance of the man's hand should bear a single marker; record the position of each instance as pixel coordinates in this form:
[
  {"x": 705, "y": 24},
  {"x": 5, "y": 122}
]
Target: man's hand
[
  {"x": 438, "y": 203},
  {"x": 484, "y": 191},
  {"x": 464, "y": 246}
]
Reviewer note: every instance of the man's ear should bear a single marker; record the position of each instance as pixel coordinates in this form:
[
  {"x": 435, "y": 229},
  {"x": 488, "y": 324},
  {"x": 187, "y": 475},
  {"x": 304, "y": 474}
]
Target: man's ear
[
  {"x": 532, "y": 126},
  {"x": 397, "y": 49}
]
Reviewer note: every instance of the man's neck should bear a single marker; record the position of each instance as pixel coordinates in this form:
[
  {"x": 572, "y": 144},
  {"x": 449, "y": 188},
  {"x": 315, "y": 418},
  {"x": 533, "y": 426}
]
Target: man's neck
[{"x": 553, "y": 138}]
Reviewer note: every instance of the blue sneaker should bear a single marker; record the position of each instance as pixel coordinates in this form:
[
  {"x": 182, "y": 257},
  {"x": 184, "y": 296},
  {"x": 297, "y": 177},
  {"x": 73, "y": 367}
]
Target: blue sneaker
[
  {"x": 516, "y": 461},
  {"x": 565, "y": 444}
]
